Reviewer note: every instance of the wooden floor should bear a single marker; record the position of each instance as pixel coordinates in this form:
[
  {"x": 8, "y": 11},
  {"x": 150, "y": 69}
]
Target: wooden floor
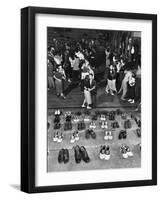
[{"x": 74, "y": 98}]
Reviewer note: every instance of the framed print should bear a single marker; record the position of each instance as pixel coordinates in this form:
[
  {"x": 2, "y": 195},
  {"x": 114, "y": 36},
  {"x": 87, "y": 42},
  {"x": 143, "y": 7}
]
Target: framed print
[{"x": 88, "y": 99}]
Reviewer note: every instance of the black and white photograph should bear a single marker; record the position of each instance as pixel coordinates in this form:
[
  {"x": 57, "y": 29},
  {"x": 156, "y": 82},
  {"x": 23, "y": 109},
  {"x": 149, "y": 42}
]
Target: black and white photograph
[
  {"x": 89, "y": 99},
  {"x": 93, "y": 99}
]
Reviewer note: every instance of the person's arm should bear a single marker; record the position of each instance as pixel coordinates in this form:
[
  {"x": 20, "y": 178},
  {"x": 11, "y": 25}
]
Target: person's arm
[
  {"x": 64, "y": 75},
  {"x": 56, "y": 78},
  {"x": 94, "y": 86}
]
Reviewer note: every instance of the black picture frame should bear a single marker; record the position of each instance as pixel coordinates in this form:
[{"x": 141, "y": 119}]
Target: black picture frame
[{"x": 28, "y": 89}]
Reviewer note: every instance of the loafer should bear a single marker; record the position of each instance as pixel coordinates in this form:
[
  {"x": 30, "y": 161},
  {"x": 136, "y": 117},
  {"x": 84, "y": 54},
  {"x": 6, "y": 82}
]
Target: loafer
[
  {"x": 121, "y": 135},
  {"x": 124, "y": 134},
  {"x": 138, "y": 132},
  {"x": 66, "y": 156},
  {"x": 84, "y": 154},
  {"x": 128, "y": 123},
  {"x": 93, "y": 134},
  {"x": 77, "y": 154},
  {"x": 87, "y": 134},
  {"x": 61, "y": 156}
]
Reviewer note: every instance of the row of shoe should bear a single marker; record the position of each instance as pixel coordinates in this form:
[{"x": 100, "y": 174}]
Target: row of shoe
[
  {"x": 63, "y": 156},
  {"x": 127, "y": 124},
  {"x": 90, "y": 133},
  {"x": 115, "y": 125},
  {"x": 108, "y": 135},
  {"x": 104, "y": 152},
  {"x": 80, "y": 153},
  {"x": 125, "y": 151},
  {"x": 104, "y": 125},
  {"x": 122, "y": 135},
  {"x": 138, "y": 132},
  {"x": 81, "y": 126},
  {"x": 68, "y": 126},
  {"x": 57, "y": 137},
  {"x": 74, "y": 137}
]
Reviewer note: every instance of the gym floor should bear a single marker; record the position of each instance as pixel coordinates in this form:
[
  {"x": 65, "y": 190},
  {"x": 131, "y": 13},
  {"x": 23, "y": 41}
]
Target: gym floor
[{"x": 93, "y": 145}]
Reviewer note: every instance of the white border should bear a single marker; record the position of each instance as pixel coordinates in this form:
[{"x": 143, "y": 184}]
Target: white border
[{"x": 60, "y": 178}]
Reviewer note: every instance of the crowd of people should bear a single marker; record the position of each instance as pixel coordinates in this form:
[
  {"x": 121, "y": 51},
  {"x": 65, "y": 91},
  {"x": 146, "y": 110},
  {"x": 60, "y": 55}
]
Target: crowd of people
[{"x": 76, "y": 64}]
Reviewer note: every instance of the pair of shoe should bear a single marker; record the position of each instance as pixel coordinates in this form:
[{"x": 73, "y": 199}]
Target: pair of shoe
[
  {"x": 58, "y": 138},
  {"x": 108, "y": 135},
  {"x": 124, "y": 116},
  {"x": 81, "y": 126},
  {"x": 115, "y": 125},
  {"x": 94, "y": 117},
  {"x": 125, "y": 151},
  {"x": 57, "y": 125},
  {"x": 57, "y": 119},
  {"x": 76, "y": 119},
  {"x": 138, "y": 132},
  {"x": 63, "y": 156},
  {"x": 68, "y": 118},
  {"x": 80, "y": 153},
  {"x": 57, "y": 112},
  {"x": 112, "y": 115},
  {"x": 104, "y": 125},
  {"x": 92, "y": 125},
  {"x": 127, "y": 124},
  {"x": 68, "y": 126},
  {"x": 74, "y": 137},
  {"x": 103, "y": 118},
  {"x": 105, "y": 153},
  {"x": 89, "y": 133},
  {"x": 86, "y": 119},
  {"x": 122, "y": 134},
  {"x": 131, "y": 101},
  {"x": 118, "y": 112}
]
